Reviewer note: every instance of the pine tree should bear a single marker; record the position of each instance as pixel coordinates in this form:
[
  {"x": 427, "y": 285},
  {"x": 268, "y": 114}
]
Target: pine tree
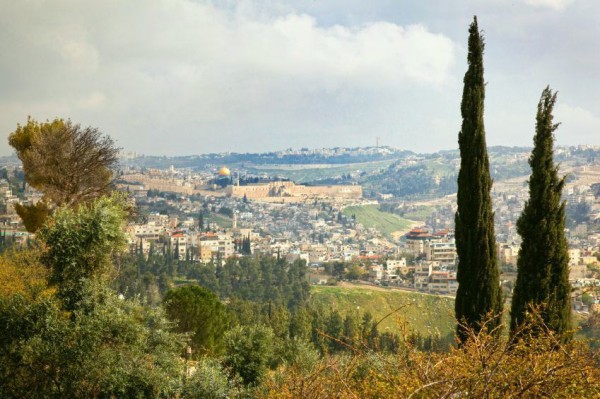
[
  {"x": 543, "y": 271},
  {"x": 479, "y": 294}
]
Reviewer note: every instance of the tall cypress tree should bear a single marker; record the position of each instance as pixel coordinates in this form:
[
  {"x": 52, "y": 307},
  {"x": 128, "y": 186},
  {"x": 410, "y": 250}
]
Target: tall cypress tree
[
  {"x": 543, "y": 264},
  {"x": 479, "y": 293}
]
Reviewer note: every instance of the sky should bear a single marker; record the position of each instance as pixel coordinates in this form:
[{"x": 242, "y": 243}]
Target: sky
[{"x": 183, "y": 77}]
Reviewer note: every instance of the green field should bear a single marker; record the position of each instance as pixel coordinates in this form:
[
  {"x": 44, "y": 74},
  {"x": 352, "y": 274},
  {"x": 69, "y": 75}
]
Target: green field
[
  {"x": 370, "y": 216},
  {"x": 422, "y": 313},
  {"x": 420, "y": 214},
  {"x": 221, "y": 220}
]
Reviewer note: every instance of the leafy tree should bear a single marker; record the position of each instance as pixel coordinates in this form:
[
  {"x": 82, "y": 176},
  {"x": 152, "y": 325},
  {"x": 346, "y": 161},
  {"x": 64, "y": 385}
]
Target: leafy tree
[
  {"x": 71, "y": 165},
  {"x": 197, "y": 310},
  {"x": 478, "y": 276},
  {"x": 248, "y": 351},
  {"x": 300, "y": 324},
  {"x": 108, "y": 347},
  {"x": 334, "y": 328},
  {"x": 543, "y": 264},
  {"x": 577, "y": 213},
  {"x": 22, "y": 274},
  {"x": 79, "y": 244},
  {"x": 209, "y": 381},
  {"x": 355, "y": 272},
  {"x": 339, "y": 268}
]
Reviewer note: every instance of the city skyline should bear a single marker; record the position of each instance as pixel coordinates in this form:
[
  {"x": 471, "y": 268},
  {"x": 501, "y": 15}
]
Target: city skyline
[{"x": 179, "y": 77}]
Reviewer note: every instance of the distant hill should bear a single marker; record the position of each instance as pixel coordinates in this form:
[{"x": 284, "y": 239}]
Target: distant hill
[
  {"x": 330, "y": 156},
  {"x": 380, "y": 170}
]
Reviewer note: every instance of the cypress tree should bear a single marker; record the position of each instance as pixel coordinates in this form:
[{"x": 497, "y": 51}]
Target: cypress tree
[
  {"x": 479, "y": 294},
  {"x": 201, "y": 221},
  {"x": 543, "y": 264}
]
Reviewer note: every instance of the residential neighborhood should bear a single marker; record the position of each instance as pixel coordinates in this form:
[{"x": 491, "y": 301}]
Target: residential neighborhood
[{"x": 207, "y": 215}]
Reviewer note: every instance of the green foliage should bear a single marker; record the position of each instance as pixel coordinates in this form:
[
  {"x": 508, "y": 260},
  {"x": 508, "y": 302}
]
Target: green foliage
[
  {"x": 577, "y": 213},
  {"x": 371, "y": 216},
  {"x": 479, "y": 292},
  {"x": 421, "y": 213},
  {"x": 108, "y": 347},
  {"x": 425, "y": 319},
  {"x": 248, "y": 351},
  {"x": 209, "y": 381},
  {"x": 543, "y": 264},
  {"x": 262, "y": 279},
  {"x": 79, "y": 244},
  {"x": 356, "y": 272},
  {"x": 21, "y": 273},
  {"x": 198, "y": 311},
  {"x": 246, "y": 246},
  {"x": 411, "y": 181}
]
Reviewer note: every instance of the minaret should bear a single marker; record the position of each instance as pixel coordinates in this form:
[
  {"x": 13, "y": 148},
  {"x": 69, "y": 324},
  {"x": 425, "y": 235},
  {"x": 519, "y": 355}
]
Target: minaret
[{"x": 234, "y": 220}]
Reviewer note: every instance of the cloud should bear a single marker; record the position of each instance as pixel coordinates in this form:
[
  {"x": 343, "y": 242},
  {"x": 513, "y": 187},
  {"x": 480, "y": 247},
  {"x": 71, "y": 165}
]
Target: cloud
[
  {"x": 554, "y": 4},
  {"x": 576, "y": 122},
  {"x": 141, "y": 70}
]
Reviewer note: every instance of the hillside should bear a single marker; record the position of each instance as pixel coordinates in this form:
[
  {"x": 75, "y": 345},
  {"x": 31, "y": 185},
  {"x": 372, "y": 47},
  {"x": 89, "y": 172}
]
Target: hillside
[
  {"x": 425, "y": 314},
  {"x": 370, "y": 216}
]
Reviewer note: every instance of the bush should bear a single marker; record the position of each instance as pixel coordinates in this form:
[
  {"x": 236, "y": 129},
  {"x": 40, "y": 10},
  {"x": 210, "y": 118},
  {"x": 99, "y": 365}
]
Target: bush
[
  {"x": 209, "y": 381},
  {"x": 533, "y": 366},
  {"x": 108, "y": 347},
  {"x": 248, "y": 351}
]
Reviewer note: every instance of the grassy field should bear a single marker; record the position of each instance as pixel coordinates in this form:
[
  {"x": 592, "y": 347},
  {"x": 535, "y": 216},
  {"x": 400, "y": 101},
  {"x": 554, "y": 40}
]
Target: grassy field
[
  {"x": 221, "y": 220},
  {"x": 370, "y": 216},
  {"x": 426, "y": 314},
  {"x": 420, "y": 214}
]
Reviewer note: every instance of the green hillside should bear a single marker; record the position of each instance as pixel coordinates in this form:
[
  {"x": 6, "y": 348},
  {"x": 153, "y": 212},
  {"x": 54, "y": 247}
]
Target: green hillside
[
  {"x": 221, "y": 220},
  {"x": 370, "y": 216},
  {"x": 426, "y": 314}
]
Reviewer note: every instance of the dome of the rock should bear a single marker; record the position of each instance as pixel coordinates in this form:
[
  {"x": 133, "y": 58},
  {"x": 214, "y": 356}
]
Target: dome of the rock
[{"x": 224, "y": 171}]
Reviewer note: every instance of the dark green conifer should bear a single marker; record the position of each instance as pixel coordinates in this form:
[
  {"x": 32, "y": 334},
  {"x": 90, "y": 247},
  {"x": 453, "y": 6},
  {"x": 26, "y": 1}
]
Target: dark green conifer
[
  {"x": 201, "y": 221},
  {"x": 543, "y": 264},
  {"x": 246, "y": 246},
  {"x": 479, "y": 295}
]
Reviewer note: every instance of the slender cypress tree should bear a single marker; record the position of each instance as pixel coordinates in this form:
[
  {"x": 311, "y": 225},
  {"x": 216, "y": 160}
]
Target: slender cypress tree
[
  {"x": 543, "y": 264},
  {"x": 479, "y": 295}
]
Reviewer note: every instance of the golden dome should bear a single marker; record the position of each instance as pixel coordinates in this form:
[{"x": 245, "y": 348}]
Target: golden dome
[{"x": 224, "y": 171}]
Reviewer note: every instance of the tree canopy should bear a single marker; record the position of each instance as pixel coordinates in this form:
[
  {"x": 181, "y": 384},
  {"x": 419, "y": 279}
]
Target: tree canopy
[
  {"x": 69, "y": 164},
  {"x": 79, "y": 244},
  {"x": 198, "y": 311},
  {"x": 65, "y": 333}
]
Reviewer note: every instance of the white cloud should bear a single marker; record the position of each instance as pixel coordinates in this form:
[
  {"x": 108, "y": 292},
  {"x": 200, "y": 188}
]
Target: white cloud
[
  {"x": 576, "y": 122},
  {"x": 554, "y": 4},
  {"x": 140, "y": 69}
]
